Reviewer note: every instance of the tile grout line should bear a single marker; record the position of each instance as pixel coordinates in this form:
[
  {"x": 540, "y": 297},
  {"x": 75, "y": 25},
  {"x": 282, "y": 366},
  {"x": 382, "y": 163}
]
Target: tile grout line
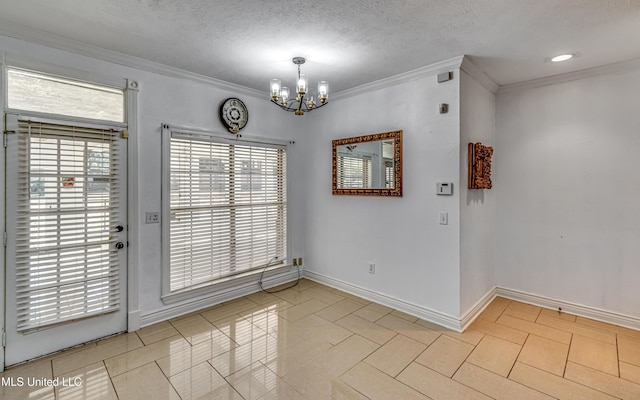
[
  {"x": 519, "y": 352},
  {"x": 511, "y": 380},
  {"x": 416, "y": 357},
  {"x": 110, "y": 379},
  {"x": 167, "y": 379},
  {"x": 393, "y": 378},
  {"x": 523, "y": 344},
  {"x": 466, "y": 358},
  {"x": 566, "y": 361},
  {"x": 578, "y": 383},
  {"x": 528, "y": 333},
  {"x": 618, "y": 356}
]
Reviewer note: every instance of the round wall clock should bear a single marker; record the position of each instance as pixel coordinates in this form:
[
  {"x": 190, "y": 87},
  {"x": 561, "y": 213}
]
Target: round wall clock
[{"x": 234, "y": 114}]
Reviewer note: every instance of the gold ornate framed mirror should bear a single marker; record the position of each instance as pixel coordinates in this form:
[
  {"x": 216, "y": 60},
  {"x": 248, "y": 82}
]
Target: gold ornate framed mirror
[{"x": 369, "y": 165}]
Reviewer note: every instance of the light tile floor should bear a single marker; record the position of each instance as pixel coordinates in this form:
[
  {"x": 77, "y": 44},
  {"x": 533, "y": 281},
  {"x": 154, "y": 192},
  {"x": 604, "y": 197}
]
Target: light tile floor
[{"x": 315, "y": 342}]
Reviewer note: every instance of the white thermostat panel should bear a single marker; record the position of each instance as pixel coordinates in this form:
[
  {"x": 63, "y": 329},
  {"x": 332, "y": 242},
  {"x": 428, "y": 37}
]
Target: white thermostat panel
[{"x": 444, "y": 188}]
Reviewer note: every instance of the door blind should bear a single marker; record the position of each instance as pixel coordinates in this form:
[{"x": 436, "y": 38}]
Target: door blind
[
  {"x": 389, "y": 181},
  {"x": 228, "y": 209},
  {"x": 66, "y": 261}
]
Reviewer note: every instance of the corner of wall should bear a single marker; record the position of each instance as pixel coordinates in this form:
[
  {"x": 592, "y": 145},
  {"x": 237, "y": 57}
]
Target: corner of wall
[
  {"x": 478, "y": 75},
  {"x": 477, "y": 207}
]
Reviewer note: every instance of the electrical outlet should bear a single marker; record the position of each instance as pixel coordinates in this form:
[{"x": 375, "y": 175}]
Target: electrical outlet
[
  {"x": 372, "y": 268},
  {"x": 300, "y": 261},
  {"x": 295, "y": 262}
]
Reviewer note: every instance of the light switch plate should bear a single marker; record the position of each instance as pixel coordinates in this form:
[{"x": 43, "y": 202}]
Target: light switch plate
[{"x": 444, "y": 218}]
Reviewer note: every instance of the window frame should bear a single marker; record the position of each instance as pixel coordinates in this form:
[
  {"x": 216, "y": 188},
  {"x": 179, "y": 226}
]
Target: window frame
[
  {"x": 20, "y": 64},
  {"x": 244, "y": 279}
]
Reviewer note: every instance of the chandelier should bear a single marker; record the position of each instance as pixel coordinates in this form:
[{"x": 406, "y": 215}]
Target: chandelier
[{"x": 302, "y": 102}]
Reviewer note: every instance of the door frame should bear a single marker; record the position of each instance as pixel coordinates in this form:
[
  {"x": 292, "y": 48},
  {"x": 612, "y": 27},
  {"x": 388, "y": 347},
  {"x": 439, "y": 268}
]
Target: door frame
[
  {"x": 131, "y": 89},
  {"x": 133, "y": 298},
  {"x": 3, "y": 209}
]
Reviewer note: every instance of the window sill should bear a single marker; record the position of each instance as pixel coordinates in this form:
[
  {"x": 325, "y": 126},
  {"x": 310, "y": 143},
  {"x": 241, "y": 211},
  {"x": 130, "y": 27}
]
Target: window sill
[{"x": 224, "y": 285}]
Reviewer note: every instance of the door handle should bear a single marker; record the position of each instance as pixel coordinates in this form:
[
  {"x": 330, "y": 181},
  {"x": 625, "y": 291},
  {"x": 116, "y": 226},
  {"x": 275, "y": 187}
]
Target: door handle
[
  {"x": 119, "y": 228},
  {"x": 119, "y": 245}
]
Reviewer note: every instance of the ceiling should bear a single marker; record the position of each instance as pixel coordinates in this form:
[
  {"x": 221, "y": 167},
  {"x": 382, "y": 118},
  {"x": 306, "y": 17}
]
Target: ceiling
[{"x": 346, "y": 42}]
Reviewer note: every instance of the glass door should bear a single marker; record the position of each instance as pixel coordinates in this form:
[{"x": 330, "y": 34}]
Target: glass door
[{"x": 66, "y": 235}]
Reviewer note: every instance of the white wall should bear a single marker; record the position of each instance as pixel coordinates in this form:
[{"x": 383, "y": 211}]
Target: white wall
[
  {"x": 417, "y": 260},
  {"x": 477, "y": 207},
  {"x": 568, "y": 190},
  {"x": 179, "y": 102}
]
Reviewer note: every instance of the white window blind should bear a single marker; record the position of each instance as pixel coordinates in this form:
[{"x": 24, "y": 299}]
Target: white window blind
[
  {"x": 66, "y": 264},
  {"x": 354, "y": 171},
  {"x": 389, "y": 181},
  {"x": 228, "y": 209}
]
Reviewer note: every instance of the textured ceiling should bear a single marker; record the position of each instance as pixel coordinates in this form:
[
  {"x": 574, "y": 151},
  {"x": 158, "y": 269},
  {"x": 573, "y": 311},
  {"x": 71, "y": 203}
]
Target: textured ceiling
[{"x": 347, "y": 42}]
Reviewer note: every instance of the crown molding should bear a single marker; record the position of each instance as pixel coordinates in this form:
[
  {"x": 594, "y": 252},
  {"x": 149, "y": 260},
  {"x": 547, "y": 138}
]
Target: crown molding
[
  {"x": 39, "y": 37},
  {"x": 476, "y": 73},
  {"x": 422, "y": 72},
  {"x": 572, "y": 76}
]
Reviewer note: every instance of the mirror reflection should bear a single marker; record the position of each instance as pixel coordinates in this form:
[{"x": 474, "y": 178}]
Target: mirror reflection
[{"x": 368, "y": 165}]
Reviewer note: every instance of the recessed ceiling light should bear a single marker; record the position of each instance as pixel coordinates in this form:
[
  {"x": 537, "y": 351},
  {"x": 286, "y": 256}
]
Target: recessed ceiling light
[{"x": 562, "y": 57}]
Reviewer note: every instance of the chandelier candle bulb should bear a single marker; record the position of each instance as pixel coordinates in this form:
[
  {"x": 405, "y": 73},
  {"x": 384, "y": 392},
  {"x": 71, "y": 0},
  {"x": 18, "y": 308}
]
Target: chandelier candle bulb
[
  {"x": 302, "y": 84},
  {"x": 323, "y": 91},
  {"x": 284, "y": 95},
  {"x": 275, "y": 89}
]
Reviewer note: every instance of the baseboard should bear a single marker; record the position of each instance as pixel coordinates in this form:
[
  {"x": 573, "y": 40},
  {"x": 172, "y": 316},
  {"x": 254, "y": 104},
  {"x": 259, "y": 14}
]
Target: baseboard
[
  {"x": 477, "y": 308},
  {"x": 610, "y": 317},
  {"x": 133, "y": 321},
  {"x": 183, "y": 308},
  {"x": 437, "y": 317}
]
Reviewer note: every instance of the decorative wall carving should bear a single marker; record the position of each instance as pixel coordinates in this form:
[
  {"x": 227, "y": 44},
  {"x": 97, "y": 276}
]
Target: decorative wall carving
[{"x": 480, "y": 166}]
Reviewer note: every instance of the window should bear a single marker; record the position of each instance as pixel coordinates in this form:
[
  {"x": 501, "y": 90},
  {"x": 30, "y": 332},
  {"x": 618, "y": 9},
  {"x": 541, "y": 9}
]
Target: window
[
  {"x": 36, "y": 92},
  {"x": 389, "y": 182},
  {"x": 227, "y": 208},
  {"x": 387, "y": 162},
  {"x": 354, "y": 171}
]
